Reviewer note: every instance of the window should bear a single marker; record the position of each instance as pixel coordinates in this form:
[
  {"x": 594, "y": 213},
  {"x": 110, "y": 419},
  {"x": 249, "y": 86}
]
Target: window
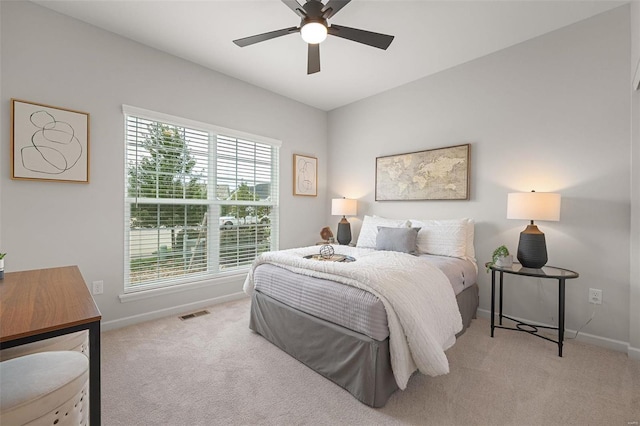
[{"x": 200, "y": 201}]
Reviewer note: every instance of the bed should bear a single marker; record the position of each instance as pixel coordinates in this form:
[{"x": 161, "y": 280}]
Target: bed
[{"x": 367, "y": 325}]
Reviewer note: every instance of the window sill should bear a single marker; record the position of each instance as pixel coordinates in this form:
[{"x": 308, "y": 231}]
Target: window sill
[{"x": 178, "y": 288}]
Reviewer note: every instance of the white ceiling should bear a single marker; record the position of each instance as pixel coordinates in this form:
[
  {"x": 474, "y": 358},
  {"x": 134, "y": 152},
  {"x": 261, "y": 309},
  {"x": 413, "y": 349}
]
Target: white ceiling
[{"x": 430, "y": 36}]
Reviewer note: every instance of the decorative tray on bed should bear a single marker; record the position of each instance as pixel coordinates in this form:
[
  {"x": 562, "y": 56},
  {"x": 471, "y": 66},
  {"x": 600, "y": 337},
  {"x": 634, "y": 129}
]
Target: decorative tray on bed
[{"x": 332, "y": 258}]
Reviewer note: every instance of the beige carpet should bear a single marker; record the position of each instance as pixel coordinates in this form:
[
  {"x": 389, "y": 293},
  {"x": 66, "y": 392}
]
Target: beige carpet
[{"x": 212, "y": 370}]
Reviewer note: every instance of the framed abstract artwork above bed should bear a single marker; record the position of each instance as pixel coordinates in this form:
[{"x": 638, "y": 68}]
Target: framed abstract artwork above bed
[{"x": 434, "y": 174}]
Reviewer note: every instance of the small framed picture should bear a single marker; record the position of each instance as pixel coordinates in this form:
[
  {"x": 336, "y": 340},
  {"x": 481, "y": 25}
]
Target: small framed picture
[
  {"x": 305, "y": 175},
  {"x": 49, "y": 143}
]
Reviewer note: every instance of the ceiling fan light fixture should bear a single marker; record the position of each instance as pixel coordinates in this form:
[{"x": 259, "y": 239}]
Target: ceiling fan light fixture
[{"x": 313, "y": 32}]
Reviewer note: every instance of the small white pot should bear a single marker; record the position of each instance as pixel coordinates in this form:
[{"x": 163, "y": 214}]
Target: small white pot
[{"x": 505, "y": 261}]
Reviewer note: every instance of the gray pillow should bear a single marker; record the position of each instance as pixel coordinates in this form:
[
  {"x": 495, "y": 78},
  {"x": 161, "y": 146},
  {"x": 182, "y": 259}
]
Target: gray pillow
[{"x": 397, "y": 239}]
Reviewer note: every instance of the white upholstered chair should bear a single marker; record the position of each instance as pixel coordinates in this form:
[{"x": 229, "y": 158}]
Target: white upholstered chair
[
  {"x": 78, "y": 341},
  {"x": 45, "y": 388}
]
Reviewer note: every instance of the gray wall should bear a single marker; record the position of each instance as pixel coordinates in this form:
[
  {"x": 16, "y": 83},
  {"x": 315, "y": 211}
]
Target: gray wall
[
  {"x": 634, "y": 297},
  {"x": 550, "y": 114},
  {"x": 52, "y": 59}
]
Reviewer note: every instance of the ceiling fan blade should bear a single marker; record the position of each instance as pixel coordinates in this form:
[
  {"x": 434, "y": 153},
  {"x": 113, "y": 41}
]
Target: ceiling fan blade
[
  {"x": 295, "y": 6},
  {"x": 242, "y": 42},
  {"x": 333, "y": 7},
  {"x": 313, "y": 59},
  {"x": 381, "y": 41}
]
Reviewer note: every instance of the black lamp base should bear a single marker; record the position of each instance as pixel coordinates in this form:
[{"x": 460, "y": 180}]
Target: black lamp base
[
  {"x": 532, "y": 248},
  {"x": 344, "y": 231}
]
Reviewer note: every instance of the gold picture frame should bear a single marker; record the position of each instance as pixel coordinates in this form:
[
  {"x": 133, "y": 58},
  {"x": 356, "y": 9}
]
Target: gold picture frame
[
  {"x": 49, "y": 143},
  {"x": 305, "y": 175},
  {"x": 433, "y": 174}
]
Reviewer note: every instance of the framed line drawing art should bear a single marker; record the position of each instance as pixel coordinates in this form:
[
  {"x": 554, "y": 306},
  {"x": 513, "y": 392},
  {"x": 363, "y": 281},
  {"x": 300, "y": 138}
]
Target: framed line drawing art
[
  {"x": 305, "y": 175},
  {"x": 434, "y": 174},
  {"x": 49, "y": 143}
]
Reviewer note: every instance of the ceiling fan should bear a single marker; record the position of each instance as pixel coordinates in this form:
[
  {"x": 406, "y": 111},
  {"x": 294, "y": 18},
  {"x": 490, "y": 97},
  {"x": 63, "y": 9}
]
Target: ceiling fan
[{"x": 314, "y": 29}]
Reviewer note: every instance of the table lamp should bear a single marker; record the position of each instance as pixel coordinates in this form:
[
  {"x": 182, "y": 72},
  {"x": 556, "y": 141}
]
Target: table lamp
[
  {"x": 532, "y": 247},
  {"x": 344, "y": 207}
]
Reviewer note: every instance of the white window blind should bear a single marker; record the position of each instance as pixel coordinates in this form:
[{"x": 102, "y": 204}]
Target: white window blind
[{"x": 200, "y": 201}]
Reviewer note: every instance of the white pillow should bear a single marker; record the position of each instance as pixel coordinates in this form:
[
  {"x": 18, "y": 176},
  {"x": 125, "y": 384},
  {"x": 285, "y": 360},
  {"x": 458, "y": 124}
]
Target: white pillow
[
  {"x": 369, "y": 230},
  {"x": 471, "y": 251},
  {"x": 446, "y": 237}
]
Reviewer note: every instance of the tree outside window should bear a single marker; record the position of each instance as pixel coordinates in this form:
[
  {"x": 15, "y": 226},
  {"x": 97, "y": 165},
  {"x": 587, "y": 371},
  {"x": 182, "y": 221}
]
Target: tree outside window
[{"x": 170, "y": 202}]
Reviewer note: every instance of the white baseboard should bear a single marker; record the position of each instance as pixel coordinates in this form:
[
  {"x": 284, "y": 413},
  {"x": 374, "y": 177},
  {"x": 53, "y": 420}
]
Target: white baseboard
[
  {"x": 634, "y": 353},
  {"x": 604, "y": 342},
  {"x": 174, "y": 310}
]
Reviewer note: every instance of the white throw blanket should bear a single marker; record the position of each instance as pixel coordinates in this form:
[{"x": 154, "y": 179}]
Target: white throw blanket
[{"x": 422, "y": 312}]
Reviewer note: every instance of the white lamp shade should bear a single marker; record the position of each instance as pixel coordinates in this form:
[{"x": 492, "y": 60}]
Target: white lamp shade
[
  {"x": 344, "y": 207},
  {"x": 533, "y": 206},
  {"x": 313, "y": 32}
]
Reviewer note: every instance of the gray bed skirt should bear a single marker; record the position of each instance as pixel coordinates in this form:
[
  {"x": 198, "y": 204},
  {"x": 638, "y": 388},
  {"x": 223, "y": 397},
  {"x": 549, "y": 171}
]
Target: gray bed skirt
[{"x": 352, "y": 360}]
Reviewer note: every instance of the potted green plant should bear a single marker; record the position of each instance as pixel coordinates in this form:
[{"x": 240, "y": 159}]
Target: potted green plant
[{"x": 501, "y": 258}]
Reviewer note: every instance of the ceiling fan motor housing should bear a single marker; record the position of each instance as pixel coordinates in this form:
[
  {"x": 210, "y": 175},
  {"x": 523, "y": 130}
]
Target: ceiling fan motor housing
[{"x": 313, "y": 11}]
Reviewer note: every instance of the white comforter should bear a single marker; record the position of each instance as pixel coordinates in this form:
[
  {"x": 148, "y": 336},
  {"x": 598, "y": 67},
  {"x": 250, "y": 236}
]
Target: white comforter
[{"x": 421, "y": 307}]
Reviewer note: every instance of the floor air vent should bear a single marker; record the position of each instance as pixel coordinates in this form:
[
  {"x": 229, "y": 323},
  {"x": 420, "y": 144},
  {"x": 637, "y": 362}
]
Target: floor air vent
[{"x": 193, "y": 315}]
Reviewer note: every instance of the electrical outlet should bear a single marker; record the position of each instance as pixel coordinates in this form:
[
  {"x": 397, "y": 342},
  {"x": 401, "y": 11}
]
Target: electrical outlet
[
  {"x": 98, "y": 287},
  {"x": 595, "y": 296}
]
